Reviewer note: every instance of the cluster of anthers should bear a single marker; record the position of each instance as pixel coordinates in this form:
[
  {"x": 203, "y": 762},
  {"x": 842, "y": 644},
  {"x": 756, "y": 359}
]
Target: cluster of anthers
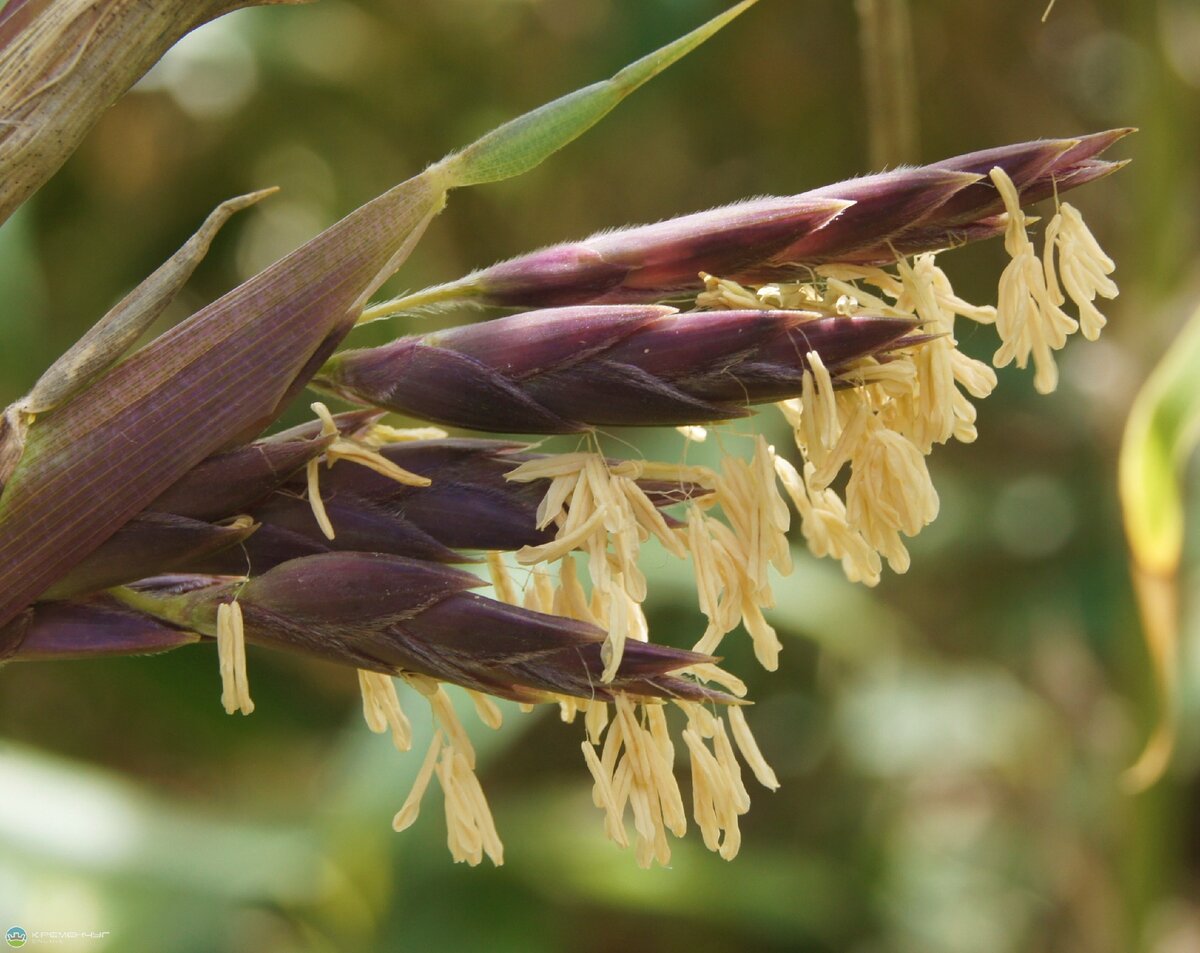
[
  {"x": 877, "y": 418},
  {"x": 901, "y": 405}
]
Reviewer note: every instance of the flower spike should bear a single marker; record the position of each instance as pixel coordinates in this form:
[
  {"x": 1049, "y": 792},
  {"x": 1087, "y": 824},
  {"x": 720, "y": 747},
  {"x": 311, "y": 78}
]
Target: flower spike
[
  {"x": 570, "y": 369},
  {"x": 872, "y": 220},
  {"x": 390, "y": 614},
  {"x": 827, "y": 304}
]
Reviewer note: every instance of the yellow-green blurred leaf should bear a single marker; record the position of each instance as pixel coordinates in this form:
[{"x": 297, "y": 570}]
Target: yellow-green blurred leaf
[{"x": 1159, "y": 436}]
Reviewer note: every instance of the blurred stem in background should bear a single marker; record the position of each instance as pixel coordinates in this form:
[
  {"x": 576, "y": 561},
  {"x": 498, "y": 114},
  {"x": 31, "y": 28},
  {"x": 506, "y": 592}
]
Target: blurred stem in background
[{"x": 889, "y": 80}]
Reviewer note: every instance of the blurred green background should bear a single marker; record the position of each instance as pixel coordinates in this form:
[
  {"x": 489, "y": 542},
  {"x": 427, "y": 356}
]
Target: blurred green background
[{"x": 950, "y": 744}]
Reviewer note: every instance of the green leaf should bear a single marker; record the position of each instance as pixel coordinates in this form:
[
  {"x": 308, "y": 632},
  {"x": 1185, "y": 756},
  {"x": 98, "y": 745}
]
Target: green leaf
[{"x": 523, "y": 143}]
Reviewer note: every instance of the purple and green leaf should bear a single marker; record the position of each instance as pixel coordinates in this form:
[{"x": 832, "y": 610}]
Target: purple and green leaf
[{"x": 216, "y": 380}]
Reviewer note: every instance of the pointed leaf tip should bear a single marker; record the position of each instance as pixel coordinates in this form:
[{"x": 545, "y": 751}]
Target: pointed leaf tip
[
  {"x": 211, "y": 382},
  {"x": 524, "y": 142},
  {"x": 115, "y": 333}
]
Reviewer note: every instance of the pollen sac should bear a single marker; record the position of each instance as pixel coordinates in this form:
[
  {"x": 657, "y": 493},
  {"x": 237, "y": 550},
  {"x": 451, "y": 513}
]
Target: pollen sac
[{"x": 570, "y": 369}]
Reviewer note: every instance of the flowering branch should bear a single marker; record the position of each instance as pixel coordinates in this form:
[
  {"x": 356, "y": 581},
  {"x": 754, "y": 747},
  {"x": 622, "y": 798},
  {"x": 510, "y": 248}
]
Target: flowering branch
[{"x": 138, "y": 512}]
